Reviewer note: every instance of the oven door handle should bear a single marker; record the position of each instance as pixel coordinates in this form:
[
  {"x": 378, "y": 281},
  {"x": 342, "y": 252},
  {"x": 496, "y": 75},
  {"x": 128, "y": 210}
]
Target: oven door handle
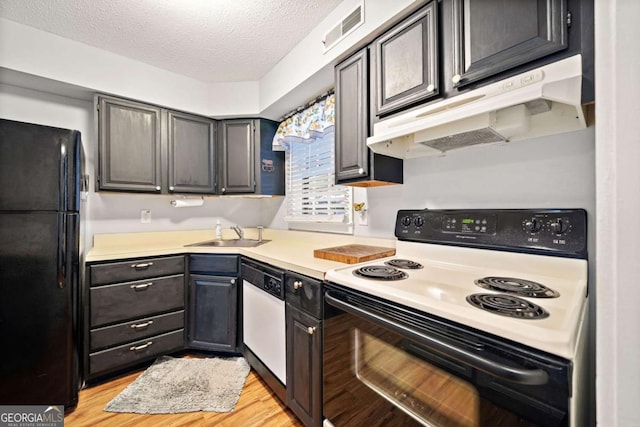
[{"x": 509, "y": 373}]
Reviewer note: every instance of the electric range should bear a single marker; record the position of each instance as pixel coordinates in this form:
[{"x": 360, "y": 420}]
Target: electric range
[{"x": 508, "y": 281}]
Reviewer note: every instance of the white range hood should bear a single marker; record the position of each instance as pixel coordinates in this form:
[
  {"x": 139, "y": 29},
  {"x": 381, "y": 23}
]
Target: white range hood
[{"x": 539, "y": 102}]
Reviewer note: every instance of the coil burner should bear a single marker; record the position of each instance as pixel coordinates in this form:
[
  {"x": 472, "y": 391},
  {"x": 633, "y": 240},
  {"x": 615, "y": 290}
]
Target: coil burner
[
  {"x": 520, "y": 287},
  {"x": 507, "y": 305},
  {"x": 380, "y": 272},
  {"x": 404, "y": 263}
]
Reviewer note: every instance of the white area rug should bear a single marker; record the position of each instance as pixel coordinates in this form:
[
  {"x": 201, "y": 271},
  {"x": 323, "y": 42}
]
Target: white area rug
[{"x": 174, "y": 385}]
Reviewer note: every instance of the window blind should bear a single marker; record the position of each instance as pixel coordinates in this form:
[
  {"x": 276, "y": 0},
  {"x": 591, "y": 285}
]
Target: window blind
[{"x": 312, "y": 195}]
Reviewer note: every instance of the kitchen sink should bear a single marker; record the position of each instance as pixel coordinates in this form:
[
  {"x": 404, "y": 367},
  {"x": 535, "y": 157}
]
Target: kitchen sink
[{"x": 234, "y": 243}]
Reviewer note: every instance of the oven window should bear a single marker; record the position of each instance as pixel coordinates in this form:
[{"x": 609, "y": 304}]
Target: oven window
[
  {"x": 431, "y": 390},
  {"x": 424, "y": 391}
]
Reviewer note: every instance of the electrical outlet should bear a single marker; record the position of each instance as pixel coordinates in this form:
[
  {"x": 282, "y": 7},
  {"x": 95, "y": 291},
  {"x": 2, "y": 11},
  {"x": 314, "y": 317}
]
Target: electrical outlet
[
  {"x": 145, "y": 216},
  {"x": 362, "y": 219}
]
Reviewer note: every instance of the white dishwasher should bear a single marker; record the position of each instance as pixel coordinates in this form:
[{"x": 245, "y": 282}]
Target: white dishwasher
[{"x": 263, "y": 322}]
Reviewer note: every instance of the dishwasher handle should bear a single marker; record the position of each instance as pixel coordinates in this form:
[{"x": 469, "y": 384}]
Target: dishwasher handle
[{"x": 508, "y": 373}]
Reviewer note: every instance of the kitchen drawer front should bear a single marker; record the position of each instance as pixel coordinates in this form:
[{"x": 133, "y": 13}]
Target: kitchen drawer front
[
  {"x": 224, "y": 265},
  {"x": 135, "y": 269},
  {"x": 136, "y": 351},
  {"x": 131, "y": 300},
  {"x": 135, "y": 330},
  {"x": 304, "y": 293}
]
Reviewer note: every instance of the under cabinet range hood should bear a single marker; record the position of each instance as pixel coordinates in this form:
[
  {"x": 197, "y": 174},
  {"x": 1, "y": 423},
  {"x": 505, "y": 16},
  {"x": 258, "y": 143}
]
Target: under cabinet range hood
[{"x": 536, "y": 103}]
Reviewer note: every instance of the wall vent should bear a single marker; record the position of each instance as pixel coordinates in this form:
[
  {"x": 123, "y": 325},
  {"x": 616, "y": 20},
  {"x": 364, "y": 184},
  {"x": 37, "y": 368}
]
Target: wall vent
[{"x": 349, "y": 23}]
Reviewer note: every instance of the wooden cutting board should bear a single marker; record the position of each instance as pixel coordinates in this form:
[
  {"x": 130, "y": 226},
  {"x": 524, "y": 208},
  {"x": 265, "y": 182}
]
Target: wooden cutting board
[{"x": 352, "y": 254}]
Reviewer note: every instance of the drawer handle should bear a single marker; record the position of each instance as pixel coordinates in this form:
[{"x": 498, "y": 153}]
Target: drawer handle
[
  {"x": 141, "y": 347},
  {"x": 142, "y": 265},
  {"x": 297, "y": 284},
  {"x": 142, "y": 325},
  {"x": 311, "y": 330},
  {"x": 141, "y": 286}
]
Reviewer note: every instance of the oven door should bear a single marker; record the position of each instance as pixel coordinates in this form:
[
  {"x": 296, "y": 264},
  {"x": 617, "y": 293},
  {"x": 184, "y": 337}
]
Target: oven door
[{"x": 385, "y": 364}]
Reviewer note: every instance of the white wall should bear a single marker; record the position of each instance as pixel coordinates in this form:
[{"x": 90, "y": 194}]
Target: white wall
[
  {"x": 550, "y": 172},
  {"x": 119, "y": 212},
  {"x": 31, "y": 51},
  {"x": 618, "y": 206},
  {"x": 302, "y": 74}
]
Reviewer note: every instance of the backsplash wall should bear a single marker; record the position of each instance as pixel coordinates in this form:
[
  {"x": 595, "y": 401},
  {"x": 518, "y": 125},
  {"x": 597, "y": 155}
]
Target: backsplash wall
[{"x": 550, "y": 172}]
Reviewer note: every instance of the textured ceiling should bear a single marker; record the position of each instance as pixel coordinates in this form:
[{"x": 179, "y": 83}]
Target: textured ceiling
[{"x": 209, "y": 40}]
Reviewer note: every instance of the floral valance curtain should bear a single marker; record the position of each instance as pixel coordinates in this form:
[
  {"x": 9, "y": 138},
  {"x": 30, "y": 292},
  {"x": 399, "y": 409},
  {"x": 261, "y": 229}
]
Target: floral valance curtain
[{"x": 314, "y": 122}]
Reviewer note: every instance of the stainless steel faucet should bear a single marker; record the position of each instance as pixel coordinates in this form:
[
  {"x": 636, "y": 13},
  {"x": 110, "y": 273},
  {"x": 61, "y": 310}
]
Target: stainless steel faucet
[{"x": 239, "y": 231}]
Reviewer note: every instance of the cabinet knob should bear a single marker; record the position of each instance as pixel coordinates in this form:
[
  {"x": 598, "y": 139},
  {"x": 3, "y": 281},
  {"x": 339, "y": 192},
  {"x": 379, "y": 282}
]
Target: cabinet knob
[
  {"x": 157, "y": 188},
  {"x": 297, "y": 284},
  {"x": 171, "y": 188},
  {"x": 311, "y": 330},
  {"x": 223, "y": 189},
  {"x": 361, "y": 171},
  {"x": 232, "y": 281},
  {"x": 456, "y": 79},
  {"x": 430, "y": 88}
]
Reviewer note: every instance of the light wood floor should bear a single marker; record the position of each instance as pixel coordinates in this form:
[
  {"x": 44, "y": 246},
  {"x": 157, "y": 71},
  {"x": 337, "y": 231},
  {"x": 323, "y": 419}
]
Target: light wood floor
[{"x": 257, "y": 406}]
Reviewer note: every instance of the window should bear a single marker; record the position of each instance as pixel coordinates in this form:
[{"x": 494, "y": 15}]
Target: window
[{"x": 313, "y": 200}]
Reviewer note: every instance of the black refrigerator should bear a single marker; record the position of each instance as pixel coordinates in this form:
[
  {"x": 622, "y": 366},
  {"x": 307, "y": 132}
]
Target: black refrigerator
[{"x": 40, "y": 258}]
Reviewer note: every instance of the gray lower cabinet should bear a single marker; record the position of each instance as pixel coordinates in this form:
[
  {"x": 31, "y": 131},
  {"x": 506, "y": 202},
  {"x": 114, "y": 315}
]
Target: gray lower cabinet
[
  {"x": 129, "y": 146},
  {"x": 135, "y": 312},
  {"x": 213, "y": 303},
  {"x": 247, "y": 162},
  {"x": 304, "y": 348}
]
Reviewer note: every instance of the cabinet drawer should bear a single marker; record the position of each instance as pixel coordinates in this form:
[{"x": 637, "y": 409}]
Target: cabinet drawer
[
  {"x": 304, "y": 293},
  {"x": 124, "y": 301},
  {"x": 136, "y": 351},
  {"x": 223, "y": 265},
  {"x": 135, "y": 269},
  {"x": 136, "y": 330}
]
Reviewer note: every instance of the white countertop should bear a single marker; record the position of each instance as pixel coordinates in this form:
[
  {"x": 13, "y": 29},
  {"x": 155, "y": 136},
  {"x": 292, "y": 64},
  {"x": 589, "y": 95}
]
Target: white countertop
[{"x": 291, "y": 250}]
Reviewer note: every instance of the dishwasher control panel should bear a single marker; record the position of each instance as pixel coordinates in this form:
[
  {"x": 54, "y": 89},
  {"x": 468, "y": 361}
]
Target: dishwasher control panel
[
  {"x": 272, "y": 285},
  {"x": 263, "y": 276}
]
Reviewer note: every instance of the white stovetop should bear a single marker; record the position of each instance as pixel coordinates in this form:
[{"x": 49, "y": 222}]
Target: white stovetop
[{"x": 441, "y": 288}]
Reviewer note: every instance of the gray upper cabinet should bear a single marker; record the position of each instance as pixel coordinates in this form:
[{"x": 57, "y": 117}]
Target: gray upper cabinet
[
  {"x": 237, "y": 156},
  {"x": 247, "y": 162},
  {"x": 355, "y": 164},
  {"x": 148, "y": 149},
  {"x": 191, "y": 154},
  {"x": 351, "y": 117},
  {"x": 130, "y": 146},
  {"x": 494, "y": 36},
  {"x": 405, "y": 61}
]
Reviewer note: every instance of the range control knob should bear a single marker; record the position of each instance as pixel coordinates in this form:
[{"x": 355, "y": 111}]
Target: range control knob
[
  {"x": 533, "y": 225},
  {"x": 406, "y": 221},
  {"x": 559, "y": 226},
  {"x": 418, "y": 221}
]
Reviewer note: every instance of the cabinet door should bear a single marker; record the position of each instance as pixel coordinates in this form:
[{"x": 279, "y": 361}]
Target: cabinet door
[
  {"x": 191, "y": 143},
  {"x": 304, "y": 373},
  {"x": 129, "y": 135},
  {"x": 238, "y": 156},
  {"x": 491, "y": 36},
  {"x": 406, "y": 62},
  {"x": 213, "y": 303},
  {"x": 351, "y": 156}
]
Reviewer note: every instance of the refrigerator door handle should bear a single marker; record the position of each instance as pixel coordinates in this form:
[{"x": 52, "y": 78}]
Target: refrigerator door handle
[{"x": 62, "y": 250}]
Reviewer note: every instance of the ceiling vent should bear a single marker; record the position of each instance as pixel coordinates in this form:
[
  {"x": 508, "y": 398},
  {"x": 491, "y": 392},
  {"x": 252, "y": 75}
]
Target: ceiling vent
[{"x": 348, "y": 24}]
